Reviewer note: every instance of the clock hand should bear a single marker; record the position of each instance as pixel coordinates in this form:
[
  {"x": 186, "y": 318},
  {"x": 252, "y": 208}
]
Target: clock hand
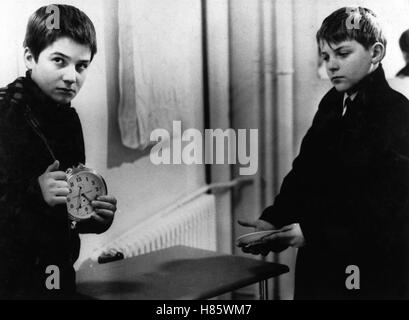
[
  {"x": 86, "y": 197},
  {"x": 79, "y": 199}
]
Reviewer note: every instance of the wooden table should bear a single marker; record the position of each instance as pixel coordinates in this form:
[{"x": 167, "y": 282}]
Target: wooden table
[{"x": 175, "y": 273}]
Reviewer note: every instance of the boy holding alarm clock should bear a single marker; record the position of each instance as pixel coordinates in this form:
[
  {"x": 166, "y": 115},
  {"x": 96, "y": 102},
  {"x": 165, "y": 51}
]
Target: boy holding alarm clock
[{"x": 40, "y": 139}]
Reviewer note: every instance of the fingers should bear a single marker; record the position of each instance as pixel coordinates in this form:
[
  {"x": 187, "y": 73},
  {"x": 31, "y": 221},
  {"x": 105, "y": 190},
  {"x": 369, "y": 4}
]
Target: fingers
[
  {"x": 53, "y": 172},
  {"x": 105, "y": 214},
  {"x": 245, "y": 223},
  {"x": 101, "y": 220},
  {"x": 289, "y": 227},
  {"x": 57, "y": 184},
  {"x": 280, "y": 241},
  {"x": 57, "y": 175},
  {"x": 53, "y": 184},
  {"x": 105, "y": 207},
  {"x": 265, "y": 252},
  {"x": 107, "y": 198},
  {"x": 57, "y": 188},
  {"x": 57, "y": 196},
  {"x": 97, "y": 223},
  {"x": 60, "y": 191},
  {"x": 98, "y": 204},
  {"x": 275, "y": 242},
  {"x": 58, "y": 200},
  {"x": 272, "y": 237},
  {"x": 262, "y": 249},
  {"x": 259, "y": 224},
  {"x": 250, "y": 249},
  {"x": 279, "y": 238},
  {"x": 53, "y": 167}
]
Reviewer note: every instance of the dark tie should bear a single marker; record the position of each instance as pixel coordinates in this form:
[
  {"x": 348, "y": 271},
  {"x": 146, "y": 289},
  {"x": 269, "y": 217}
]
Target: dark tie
[{"x": 347, "y": 106}]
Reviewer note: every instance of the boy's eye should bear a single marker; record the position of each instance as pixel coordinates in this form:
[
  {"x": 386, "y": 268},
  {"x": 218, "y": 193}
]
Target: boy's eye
[
  {"x": 343, "y": 54},
  {"x": 58, "y": 61},
  {"x": 82, "y": 67},
  {"x": 324, "y": 57}
]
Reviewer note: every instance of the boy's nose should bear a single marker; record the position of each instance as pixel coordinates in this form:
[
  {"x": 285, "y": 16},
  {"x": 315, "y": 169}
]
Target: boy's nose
[
  {"x": 332, "y": 65},
  {"x": 69, "y": 75}
]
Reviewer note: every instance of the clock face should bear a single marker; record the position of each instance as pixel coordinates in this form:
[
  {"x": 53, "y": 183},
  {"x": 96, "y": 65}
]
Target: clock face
[{"x": 83, "y": 188}]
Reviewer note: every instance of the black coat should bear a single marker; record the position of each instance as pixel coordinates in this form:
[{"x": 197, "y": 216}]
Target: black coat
[
  {"x": 404, "y": 72},
  {"x": 349, "y": 191},
  {"x": 32, "y": 234}
]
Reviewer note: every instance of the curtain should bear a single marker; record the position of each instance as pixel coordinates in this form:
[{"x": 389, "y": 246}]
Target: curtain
[{"x": 159, "y": 65}]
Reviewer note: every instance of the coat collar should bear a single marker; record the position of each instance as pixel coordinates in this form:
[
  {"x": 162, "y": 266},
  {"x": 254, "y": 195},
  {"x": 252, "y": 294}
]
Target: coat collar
[
  {"x": 375, "y": 79},
  {"x": 24, "y": 91},
  {"x": 38, "y": 97},
  {"x": 369, "y": 93}
]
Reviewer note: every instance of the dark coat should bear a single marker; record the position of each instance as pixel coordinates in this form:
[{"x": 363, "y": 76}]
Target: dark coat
[
  {"x": 349, "y": 191},
  {"x": 32, "y": 234},
  {"x": 404, "y": 72}
]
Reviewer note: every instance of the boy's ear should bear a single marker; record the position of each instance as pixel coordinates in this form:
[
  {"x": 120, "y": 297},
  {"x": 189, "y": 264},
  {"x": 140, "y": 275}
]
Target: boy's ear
[
  {"x": 377, "y": 52},
  {"x": 29, "y": 58}
]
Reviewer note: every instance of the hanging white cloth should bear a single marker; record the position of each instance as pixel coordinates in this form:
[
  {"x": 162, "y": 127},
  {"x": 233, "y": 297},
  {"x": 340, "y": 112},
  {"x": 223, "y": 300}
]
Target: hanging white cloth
[{"x": 159, "y": 64}]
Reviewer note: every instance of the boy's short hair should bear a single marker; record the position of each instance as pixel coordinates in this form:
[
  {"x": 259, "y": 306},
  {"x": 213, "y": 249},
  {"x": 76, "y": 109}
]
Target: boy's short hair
[
  {"x": 73, "y": 23},
  {"x": 404, "y": 41},
  {"x": 352, "y": 23}
]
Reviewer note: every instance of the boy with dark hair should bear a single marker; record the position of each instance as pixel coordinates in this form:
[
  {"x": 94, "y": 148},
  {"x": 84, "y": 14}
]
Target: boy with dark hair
[
  {"x": 40, "y": 137},
  {"x": 345, "y": 203}
]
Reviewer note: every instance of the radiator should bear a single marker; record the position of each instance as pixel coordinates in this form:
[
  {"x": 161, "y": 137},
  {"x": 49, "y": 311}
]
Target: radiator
[{"x": 191, "y": 223}]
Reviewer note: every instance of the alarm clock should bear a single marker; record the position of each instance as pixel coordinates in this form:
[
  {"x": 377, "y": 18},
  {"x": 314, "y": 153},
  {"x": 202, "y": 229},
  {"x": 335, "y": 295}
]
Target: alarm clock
[{"x": 85, "y": 185}]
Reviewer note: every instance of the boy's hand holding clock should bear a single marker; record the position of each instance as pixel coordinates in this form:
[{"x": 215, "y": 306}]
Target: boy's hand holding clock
[{"x": 84, "y": 192}]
